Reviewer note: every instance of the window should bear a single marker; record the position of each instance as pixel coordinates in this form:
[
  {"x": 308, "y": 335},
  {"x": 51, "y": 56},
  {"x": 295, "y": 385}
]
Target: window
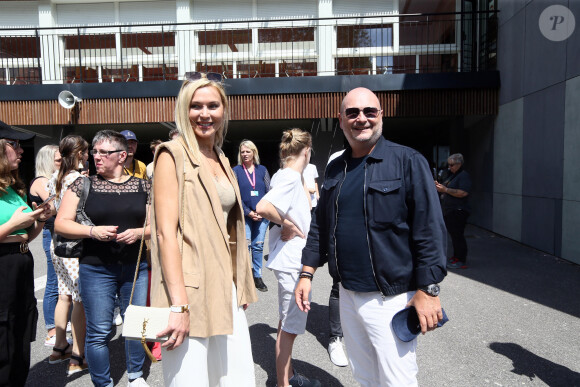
[
  {"x": 354, "y": 66},
  {"x": 225, "y": 41},
  {"x": 19, "y": 47},
  {"x": 275, "y": 35},
  {"x": 434, "y": 29},
  {"x": 148, "y": 43},
  {"x": 364, "y": 36}
]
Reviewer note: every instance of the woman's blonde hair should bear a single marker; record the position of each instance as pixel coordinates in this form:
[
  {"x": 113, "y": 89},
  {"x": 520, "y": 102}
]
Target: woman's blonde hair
[
  {"x": 251, "y": 146},
  {"x": 182, "y": 121},
  {"x": 9, "y": 177},
  {"x": 44, "y": 164},
  {"x": 293, "y": 142}
]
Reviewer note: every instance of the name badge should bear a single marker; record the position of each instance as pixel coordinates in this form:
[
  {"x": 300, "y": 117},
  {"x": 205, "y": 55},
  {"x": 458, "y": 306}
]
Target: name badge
[{"x": 254, "y": 193}]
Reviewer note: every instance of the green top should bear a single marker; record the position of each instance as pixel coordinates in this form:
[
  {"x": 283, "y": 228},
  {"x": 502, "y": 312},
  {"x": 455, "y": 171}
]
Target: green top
[{"x": 9, "y": 203}]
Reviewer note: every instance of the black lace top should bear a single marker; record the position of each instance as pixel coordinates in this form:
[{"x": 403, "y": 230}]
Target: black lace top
[{"x": 113, "y": 204}]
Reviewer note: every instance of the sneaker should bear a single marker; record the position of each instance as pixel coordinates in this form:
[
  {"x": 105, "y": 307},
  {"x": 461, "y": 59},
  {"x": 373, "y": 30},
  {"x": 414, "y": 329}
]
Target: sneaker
[
  {"x": 452, "y": 260},
  {"x": 49, "y": 341},
  {"x": 457, "y": 265},
  {"x": 118, "y": 320},
  {"x": 336, "y": 352},
  {"x": 139, "y": 382},
  {"x": 302, "y": 381},
  {"x": 68, "y": 327},
  {"x": 260, "y": 285}
]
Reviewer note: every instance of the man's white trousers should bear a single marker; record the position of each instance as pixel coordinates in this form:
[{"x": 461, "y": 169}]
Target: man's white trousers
[{"x": 376, "y": 356}]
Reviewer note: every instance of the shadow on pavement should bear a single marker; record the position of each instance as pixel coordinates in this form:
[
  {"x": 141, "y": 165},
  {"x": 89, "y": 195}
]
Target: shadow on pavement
[
  {"x": 318, "y": 324},
  {"x": 57, "y": 372},
  {"x": 528, "y": 364},
  {"x": 520, "y": 270},
  {"x": 263, "y": 351}
]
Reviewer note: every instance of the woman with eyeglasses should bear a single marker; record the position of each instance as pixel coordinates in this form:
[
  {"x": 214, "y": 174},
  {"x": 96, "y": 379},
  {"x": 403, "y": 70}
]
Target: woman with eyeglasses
[
  {"x": 201, "y": 266},
  {"x": 19, "y": 225},
  {"x": 47, "y": 161},
  {"x": 254, "y": 183},
  {"x": 287, "y": 204},
  {"x": 116, "y": 204},
  {"x": 74, "y": 151}
]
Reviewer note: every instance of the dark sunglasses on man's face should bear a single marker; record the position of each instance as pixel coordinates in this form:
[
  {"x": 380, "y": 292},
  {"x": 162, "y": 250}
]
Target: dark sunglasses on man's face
[
  {"x": 369, "y": 112},
  {"x": 195, "y": 75}
]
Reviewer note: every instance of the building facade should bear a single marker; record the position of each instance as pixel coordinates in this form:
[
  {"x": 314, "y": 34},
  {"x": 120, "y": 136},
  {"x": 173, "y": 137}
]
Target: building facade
[
  {"x": 478, "y": 77},
  {"x": 533, "y": 144}
]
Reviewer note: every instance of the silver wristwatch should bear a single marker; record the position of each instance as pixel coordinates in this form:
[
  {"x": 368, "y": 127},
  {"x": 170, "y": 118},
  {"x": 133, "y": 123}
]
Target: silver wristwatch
[{"x": 432, "y": 290}]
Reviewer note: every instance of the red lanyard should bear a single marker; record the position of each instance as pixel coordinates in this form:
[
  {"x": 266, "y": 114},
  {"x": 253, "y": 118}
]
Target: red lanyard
[{"x": 252, "y": 182}]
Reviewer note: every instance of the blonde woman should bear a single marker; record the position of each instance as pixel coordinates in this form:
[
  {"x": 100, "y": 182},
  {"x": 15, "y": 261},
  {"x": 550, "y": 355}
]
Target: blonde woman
[
  {"x": 47, "y": 161},
  {"x": 287, "y": 204},
  {"x": 254, "y": 183},
  {"x": 200, "y": 264}
]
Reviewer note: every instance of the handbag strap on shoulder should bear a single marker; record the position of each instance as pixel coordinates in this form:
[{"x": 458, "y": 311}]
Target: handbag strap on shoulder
[
  {"x": 85, "y": 193},
  {"x": 148, "y": 206}
]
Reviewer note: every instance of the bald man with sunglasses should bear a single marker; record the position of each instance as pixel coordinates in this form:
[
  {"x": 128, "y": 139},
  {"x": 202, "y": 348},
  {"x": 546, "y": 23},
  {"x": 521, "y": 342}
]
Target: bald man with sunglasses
[{"x": 379, "y": 226}]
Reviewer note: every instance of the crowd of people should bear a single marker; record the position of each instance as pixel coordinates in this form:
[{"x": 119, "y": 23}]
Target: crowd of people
[{"x": 376, "y": 221}]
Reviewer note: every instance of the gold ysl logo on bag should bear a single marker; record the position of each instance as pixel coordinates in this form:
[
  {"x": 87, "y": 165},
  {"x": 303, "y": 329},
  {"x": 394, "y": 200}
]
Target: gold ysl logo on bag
[
  {"x": 144, "y": 342},
  {"x": 144, "y": 331}
]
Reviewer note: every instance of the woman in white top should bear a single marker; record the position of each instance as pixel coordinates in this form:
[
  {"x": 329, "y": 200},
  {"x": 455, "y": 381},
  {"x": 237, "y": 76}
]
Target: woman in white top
[{"x": 287, "y": 204}]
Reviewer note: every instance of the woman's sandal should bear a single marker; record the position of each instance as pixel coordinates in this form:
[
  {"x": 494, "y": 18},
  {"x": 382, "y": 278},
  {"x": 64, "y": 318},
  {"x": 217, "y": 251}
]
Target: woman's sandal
[
  {"x": 64, "y": 355},
  {"x": 74, "y": 368}
]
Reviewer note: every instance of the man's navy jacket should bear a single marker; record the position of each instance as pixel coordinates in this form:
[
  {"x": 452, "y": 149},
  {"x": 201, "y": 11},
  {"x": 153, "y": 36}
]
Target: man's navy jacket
[{"x": 406, "y": 232}]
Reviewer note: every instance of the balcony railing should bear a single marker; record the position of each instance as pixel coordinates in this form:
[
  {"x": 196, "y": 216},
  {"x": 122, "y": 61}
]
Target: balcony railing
[{"x": 393, "y": 44}]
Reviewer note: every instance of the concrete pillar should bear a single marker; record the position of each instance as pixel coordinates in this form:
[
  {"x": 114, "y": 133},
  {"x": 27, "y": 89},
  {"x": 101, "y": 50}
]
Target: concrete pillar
[
  {"x": 51, "y": 44},
  {"x": 325, "y": 39}
]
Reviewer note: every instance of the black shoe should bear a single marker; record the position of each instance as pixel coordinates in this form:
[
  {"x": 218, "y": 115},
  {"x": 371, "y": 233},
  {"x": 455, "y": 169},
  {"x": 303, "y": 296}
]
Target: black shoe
[
  {"x": 303, "y": 381},
  {"x": 260, "y": 285}
]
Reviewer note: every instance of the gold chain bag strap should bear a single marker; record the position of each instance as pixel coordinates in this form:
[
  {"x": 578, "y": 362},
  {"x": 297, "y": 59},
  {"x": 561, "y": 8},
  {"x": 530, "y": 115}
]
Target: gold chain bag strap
[{"x": 144, "y": 322}]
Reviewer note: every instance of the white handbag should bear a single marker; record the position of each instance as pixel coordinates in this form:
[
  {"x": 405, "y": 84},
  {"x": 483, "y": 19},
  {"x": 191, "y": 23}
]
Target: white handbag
[{"x": 143, "y": 323}]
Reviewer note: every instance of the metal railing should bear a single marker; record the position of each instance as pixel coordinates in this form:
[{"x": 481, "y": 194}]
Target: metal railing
[{"x": 391, "y": 44}]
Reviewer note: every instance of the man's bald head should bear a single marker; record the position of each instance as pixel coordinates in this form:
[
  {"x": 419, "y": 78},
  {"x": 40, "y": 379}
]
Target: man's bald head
[
  {"x": 363, "y": 129},
  {"x": 360, "y": 94}
]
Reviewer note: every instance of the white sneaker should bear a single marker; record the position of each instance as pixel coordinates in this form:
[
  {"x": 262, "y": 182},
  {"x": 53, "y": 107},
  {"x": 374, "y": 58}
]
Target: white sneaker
[
  {"x": 336, "y": 352},
  {"x": 118, "y": 320},
  {"x": 139, "y": 382},
  {"x": 51, "y": 340}
]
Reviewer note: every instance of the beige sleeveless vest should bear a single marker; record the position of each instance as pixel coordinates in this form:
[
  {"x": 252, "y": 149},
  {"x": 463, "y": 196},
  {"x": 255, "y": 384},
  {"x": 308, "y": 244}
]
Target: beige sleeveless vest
[{"x": 211, "y": 257}]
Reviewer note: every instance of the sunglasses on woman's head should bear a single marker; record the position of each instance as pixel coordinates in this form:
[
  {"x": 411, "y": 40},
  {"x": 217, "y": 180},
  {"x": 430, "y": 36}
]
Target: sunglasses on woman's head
[
  {"x": 195, "y": 75},
  {"x": 369, "y": 112}
]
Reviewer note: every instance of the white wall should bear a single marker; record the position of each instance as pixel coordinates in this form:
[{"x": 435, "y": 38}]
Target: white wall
[{"x": 18, "y": 14}]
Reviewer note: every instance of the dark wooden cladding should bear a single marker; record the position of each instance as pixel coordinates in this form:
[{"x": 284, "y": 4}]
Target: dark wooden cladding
[{"x": 406, "y": 103}]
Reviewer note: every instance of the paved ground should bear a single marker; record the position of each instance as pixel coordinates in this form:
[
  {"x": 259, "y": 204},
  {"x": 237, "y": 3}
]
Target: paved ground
[{"x": 514, "y": 320}]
